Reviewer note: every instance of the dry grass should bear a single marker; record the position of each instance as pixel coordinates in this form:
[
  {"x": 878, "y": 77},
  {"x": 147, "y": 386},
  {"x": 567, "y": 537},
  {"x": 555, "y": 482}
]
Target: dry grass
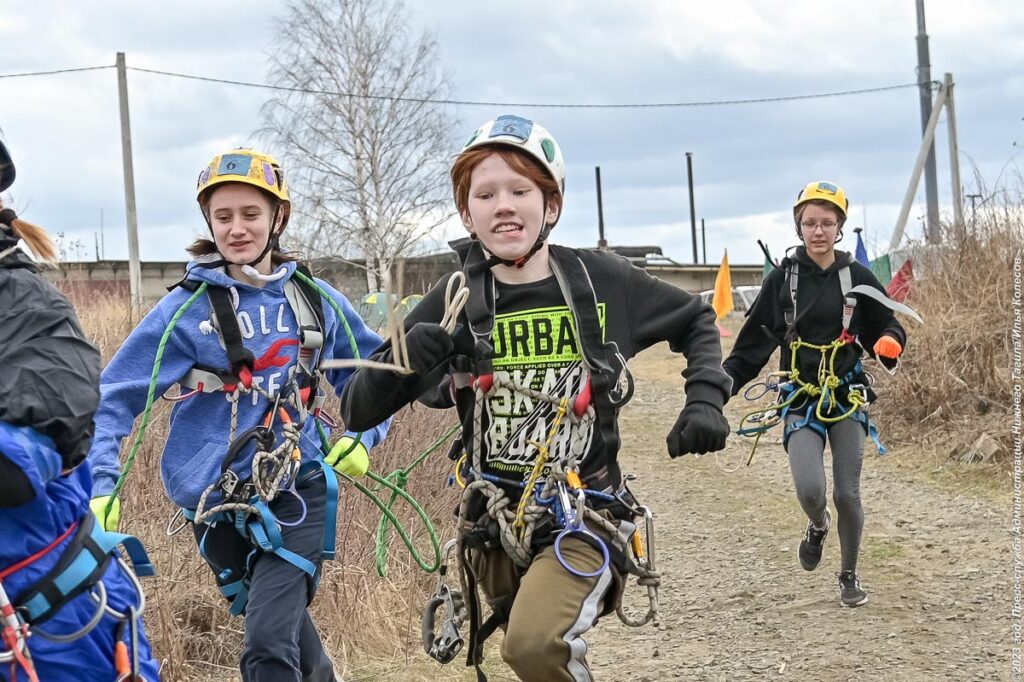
[
  {"x": 954, "y": 384},
  {"x": 357, "y": 611}
]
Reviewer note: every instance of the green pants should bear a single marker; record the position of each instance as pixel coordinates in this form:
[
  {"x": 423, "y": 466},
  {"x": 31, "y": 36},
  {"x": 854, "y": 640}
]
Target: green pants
[{"x": 552, "y": 608}]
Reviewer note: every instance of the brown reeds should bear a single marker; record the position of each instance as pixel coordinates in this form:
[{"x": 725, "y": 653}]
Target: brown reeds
[{"x": 954, "y": 385}]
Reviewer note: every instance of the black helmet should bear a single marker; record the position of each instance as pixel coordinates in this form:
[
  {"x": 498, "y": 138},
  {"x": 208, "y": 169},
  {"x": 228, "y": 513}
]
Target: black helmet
[{"x": 6, "y": 168}]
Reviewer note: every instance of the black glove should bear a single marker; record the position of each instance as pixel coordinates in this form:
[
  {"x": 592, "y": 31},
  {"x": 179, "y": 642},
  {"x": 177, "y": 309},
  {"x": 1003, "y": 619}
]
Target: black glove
[
  {"x": 429, "y": 345},
  {"x": 700, "y": 428}
]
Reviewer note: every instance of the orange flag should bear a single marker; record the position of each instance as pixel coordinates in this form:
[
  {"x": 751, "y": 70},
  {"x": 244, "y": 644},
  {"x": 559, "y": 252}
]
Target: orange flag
[{"x": 722, "y": 300}]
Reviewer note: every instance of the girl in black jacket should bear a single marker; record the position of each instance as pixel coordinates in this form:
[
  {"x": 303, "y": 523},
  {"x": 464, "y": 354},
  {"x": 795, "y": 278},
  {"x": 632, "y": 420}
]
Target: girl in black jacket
[
  {"x": 811, "y": 307},
  {"x": 69, "y": 586}
]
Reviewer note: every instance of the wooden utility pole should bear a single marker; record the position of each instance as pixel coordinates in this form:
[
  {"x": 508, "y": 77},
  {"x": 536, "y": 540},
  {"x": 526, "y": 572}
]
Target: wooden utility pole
[
  {"x": 924, "y": 80},
  {"x": 944, "y": 98},
  {"x": 954, "y": 153},
  {"x": 602, "y": 243},
  {"x": 134, "y": 267}
]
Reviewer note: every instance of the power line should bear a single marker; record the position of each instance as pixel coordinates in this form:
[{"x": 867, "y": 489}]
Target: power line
[
  {"x": 473, "y": 103},
  {"x": 51, "y": 73}
]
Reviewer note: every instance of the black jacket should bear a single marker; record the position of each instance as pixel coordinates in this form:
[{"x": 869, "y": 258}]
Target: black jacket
[
  {"x": 534, "y": 343},
  {"x": 49, "y": 371},
  {"x": 819, "y": 320}
]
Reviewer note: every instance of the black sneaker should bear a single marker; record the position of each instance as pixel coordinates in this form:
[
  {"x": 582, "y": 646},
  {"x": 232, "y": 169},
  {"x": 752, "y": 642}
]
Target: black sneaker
[
  {"x": 850, "y": 592},
  {"x": 813, "y": 543}
]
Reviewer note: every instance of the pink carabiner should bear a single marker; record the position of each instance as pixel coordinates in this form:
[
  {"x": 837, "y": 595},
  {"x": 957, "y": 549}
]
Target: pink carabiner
[
  {"x": 582, "y": 401},
  {"x": 484, "y": 382}
]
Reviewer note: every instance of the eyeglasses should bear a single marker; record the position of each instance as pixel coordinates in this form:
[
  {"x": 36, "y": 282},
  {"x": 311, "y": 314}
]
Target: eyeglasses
[{"x": 811, "y": 225}]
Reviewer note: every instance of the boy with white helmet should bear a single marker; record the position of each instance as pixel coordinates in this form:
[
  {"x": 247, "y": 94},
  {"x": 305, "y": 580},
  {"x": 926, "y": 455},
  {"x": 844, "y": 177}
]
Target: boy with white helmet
[{"x": 535, "y": 366}]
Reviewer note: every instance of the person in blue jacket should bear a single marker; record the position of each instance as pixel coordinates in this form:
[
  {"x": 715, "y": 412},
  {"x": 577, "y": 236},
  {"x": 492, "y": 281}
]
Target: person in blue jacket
[
  {"x": 244, "y": 458},
  {"x": 59, "y": 573}
]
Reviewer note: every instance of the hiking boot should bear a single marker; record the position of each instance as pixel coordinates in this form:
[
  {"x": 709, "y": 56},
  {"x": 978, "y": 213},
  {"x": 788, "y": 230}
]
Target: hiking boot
[
  {"x": 813, "y": 543},
  {"x": 850, "y": 592}
]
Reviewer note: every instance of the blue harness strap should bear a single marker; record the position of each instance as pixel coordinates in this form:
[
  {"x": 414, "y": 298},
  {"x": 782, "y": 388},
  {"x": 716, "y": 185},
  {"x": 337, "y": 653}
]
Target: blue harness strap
[
  {"x": 82, "y": 564},
  {"x": 264, "y": 533},
  {"x": 812, "y": 422}
]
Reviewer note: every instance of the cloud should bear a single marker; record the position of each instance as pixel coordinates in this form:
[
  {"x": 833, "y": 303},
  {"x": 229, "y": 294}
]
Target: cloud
[{"x": 749, "y": 160}]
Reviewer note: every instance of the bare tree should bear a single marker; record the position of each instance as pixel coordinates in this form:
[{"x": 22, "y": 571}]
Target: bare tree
[{"x": 367, "y": 149}]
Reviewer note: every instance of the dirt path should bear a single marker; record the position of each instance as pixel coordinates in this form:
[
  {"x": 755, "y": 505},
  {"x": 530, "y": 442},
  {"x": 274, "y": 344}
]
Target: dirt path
[{"x": 736, "y": 605}]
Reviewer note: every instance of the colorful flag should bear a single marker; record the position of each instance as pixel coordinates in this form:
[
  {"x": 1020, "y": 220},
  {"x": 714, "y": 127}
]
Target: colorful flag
[
  {"x": 722, "y": 300},
  {"x": 882, "y": 267},
  {"x": 899, "y": 287},
  {"x": 862, "y": 253}
]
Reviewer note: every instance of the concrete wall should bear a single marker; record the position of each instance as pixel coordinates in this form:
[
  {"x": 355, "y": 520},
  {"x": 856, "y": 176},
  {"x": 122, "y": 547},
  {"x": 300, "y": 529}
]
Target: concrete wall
[{"x": 82, "y": 281}]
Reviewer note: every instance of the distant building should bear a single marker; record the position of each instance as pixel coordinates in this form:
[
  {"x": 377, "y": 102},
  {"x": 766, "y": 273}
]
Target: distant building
[{"x": 85, "y": 280}]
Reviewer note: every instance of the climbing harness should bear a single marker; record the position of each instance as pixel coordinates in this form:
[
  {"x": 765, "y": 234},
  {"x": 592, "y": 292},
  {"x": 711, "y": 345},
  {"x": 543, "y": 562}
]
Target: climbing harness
[
  {"x": 79, "y": 570},
  {"x": 276, "y": 466},
  {"x": 553, "y": 503},
  {"x": 820, "y": 397}
]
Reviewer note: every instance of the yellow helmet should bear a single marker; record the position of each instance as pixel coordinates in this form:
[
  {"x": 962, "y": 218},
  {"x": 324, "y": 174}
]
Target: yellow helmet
[
  {"x": 249, "y": 167},
  {"x": 823, "y": 190}
]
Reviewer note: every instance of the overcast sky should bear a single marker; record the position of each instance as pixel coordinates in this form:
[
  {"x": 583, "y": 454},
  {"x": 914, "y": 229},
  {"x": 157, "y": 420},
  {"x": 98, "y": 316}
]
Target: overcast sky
[{"x": 749, "y": 160}]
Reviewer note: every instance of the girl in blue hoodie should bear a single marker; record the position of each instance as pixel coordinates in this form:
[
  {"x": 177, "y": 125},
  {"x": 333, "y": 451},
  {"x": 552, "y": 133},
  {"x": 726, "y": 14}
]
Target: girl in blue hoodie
[
  {"x": 48, "y": 394},
  {"x": 244, "y": 353}
]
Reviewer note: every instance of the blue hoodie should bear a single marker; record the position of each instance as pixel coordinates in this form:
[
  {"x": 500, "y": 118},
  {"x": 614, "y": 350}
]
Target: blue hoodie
[
  {"x": 59, "y": 501},
  {"x": 200, "y": 425}
]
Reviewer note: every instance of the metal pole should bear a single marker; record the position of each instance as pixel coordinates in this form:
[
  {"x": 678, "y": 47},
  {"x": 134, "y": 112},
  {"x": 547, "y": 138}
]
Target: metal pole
[
  {"x": 602, "y": 243},
  {"x": 703, "y": 243},
  {"x": 915, "y": 176},
  {"x": 924, "y": 79},
  {"x": 954, "y": 154},
  {"x": 974, "y": 215},
  {"x": 693, "y": 212},
  {"x": 134, "y": 268}
]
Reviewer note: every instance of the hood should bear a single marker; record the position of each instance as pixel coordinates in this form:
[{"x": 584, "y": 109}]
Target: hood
[
  {"x": 210, "y": 270},
  {"x": 843, "y": 259}
]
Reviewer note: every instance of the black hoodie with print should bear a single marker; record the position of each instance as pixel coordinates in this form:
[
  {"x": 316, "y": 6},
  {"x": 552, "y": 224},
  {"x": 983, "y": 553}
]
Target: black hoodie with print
[{"x": 819, "y": 320}]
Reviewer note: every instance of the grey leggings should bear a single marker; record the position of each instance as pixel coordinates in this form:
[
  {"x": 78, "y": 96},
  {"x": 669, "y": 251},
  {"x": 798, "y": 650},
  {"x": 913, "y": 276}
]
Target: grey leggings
[{"x": 806, "y": 460}]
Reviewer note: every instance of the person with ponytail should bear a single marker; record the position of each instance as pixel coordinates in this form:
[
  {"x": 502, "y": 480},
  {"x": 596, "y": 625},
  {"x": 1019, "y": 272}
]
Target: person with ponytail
[
  {"x": 247, "y": 457},
  {"x": 49, "y": 390}
]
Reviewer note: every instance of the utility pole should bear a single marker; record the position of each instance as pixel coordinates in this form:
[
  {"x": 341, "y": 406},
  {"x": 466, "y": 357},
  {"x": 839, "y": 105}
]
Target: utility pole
[
  {"x": 693, "y": 212},
  {"x": 134, "y": 267},
  {"x": 924, "y": 80},
  {"x": 602, "y": 243},
  {"x": 954, "y": 153},
  {"x": 703, "y": 243}
]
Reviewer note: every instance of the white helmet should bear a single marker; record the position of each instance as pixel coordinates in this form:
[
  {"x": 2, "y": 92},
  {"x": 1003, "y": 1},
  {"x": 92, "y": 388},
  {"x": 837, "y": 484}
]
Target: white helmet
[{"x": 522, "y": 133}]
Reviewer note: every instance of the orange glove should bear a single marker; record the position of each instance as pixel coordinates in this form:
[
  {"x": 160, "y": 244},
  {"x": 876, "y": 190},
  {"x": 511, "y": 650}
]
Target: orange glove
[{"x": 888, "y": 347}]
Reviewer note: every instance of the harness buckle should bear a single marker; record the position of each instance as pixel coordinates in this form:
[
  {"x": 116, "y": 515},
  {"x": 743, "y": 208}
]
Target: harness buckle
[{"x": 229, "y": 483}]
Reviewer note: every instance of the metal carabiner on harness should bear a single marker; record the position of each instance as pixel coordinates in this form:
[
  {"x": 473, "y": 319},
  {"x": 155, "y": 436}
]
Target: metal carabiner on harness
[
  {"x": 573, "y": 518},
  {"x": 444, "y": 647}
]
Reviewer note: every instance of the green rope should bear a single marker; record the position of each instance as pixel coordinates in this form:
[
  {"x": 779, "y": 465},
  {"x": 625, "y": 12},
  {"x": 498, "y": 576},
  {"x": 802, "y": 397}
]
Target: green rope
[
  {"x": 388, "y": 516},
  {"x": 396, "y": 482},
  {"x": 150, "y": 396}
]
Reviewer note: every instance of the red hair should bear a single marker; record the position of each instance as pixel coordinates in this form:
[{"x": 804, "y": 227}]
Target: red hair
[{"x": 520, "y": 162}]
